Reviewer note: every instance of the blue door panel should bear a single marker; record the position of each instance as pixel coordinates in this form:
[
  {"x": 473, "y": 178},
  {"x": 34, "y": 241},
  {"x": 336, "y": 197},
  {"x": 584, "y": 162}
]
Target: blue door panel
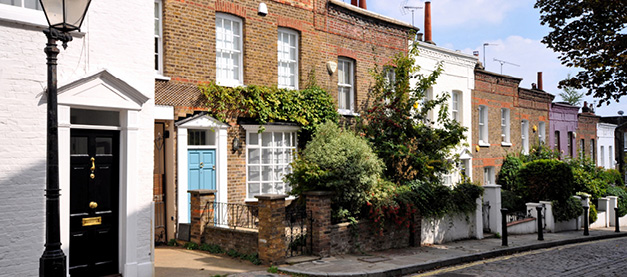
[{"x": 201, "y": 171}]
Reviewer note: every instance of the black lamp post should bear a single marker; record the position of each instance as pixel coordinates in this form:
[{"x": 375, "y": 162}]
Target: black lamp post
[{"x": 63, "y": 17}]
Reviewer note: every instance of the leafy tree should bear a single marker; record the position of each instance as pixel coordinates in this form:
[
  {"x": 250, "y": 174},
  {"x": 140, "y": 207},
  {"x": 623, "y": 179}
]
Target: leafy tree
[
  {"x": 396, "y": 122},
  {"x": 589, "y": 34},
  {"x": 571, "y": 95}
]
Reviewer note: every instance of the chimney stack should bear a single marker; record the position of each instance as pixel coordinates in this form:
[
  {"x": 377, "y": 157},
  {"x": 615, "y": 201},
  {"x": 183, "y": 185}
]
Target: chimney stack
[
  {"x": 540, "y": 80},
  {"x": 428, "y": 22},
  {"x": 362, "y": 4}
]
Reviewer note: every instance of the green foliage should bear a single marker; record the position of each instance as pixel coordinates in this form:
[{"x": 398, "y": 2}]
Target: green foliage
[
  {"x": 172, "y": 242},
  {"x": 397, "y": 204},
  {"x": 191, "y": 245},
  {"x": 396, "y": 122},
  {"x": 511, "y": 201},
  {"x": 588, "y": 178},
  {"x": 273, "y": 269},
  {"x": 309, "y": 107},
  {"x": 593, "y": 214},
  {"x": 540, "y": 152},
  {"x": 590, "y": 35},
  {"x": 571, "y": 95},
  {"x": 612, "y": 177},
  {"x": 622, "y": 200},
  {"x": 545, "y": 180},
  {"x": 337, "y": 160},
  {"x": 567, "y": 209},
  {"x": 253, "y": 258},
  {"x": 211, "y": 248},
  {"x": 509, "y": 170}
]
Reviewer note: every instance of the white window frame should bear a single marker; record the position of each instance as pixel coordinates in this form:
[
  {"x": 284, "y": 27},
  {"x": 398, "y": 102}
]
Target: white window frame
[
  {"x": 542, "y": 132},
  {"x": 456, "y": 106},
  {"x": 20, "y": 14},
  {"x": 483, "y": 126},
  {"x": 253, "y": 130},
  {"x": 291, "y": 34},
  {"x": 348, "y": 108},
  {"x": 225, "y": 81},
  {"x": 524, "y": 135},
  {"x": 602, "y": 157},
  {"x": 505, "y": 127},
  {"x": 159, "y": 37},
  {"x": 488, "y": 175}
]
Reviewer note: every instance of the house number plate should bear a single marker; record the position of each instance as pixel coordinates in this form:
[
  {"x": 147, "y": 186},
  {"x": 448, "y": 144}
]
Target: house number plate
[{"x": 90, "y": 221}]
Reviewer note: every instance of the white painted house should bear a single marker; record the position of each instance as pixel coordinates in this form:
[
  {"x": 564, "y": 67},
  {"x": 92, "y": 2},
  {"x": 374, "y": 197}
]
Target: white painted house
[
  {"x": 457, "y": 81},
  {"x": 105, "y": 113},
  {"x": 606, "y": 145}
]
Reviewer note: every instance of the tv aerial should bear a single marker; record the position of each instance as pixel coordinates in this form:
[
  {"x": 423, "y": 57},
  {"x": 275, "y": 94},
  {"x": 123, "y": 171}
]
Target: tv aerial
[
  {"x": 408, "y": 8},
  {"x": 502, "y": 62}
]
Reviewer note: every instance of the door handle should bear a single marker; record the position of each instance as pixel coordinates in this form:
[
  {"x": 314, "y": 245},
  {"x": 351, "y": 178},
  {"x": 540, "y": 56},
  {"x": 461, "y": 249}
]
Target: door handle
[
  {"x": 214, "y": 167},
  {"x": 202, "y": 165},
  {"x": 93, "y": 167}
]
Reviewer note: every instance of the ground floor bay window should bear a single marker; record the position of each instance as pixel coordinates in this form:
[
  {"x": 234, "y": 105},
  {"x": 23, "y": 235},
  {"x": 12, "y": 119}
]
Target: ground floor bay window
[{"x": 268, "y": 157}]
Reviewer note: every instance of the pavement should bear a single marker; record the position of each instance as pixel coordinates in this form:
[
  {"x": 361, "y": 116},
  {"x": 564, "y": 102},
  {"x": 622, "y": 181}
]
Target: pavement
[{"x": 173, "y": 261}]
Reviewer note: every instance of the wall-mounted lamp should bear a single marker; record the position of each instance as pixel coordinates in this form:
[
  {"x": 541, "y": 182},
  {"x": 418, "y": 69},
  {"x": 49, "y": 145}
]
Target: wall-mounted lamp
[
  {"x": 237, "y": 144},
  {"x": 534, "y": 128},
  {"x": 263, "y": 9},
  {"x": 331, "y": 67}
]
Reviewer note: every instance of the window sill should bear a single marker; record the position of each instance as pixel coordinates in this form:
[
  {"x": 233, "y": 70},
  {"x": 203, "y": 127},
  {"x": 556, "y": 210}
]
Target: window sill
[
  {"x": 506, "y": 144},
  {"x": 161, "y": 77},
  {"x": 230, "y": 84},
  {"x": 255, "y": 200},
  {"x": 348, "y": 113},
  {"x": 483, "y": 144}
]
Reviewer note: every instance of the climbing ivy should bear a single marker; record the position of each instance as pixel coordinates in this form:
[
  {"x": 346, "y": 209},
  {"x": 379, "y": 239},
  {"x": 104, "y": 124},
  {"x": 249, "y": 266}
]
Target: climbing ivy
[{"x": 308, "y": 107}]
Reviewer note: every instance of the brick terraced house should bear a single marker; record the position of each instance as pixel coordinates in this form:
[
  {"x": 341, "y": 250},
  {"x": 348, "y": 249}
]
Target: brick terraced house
[
  {"x": 507, "y": 119},
  {"x": 587, "y": 142},
  {"x": 237, "y": 43}
]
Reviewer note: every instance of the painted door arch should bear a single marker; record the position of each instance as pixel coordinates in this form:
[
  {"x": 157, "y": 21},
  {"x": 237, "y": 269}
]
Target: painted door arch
[{"x": 201, "y": 173}]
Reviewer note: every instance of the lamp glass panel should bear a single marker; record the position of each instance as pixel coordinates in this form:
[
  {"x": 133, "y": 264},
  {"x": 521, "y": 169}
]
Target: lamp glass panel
[
  {"x": 54, "y": 11},
  {"x": 75, "y": 11}
]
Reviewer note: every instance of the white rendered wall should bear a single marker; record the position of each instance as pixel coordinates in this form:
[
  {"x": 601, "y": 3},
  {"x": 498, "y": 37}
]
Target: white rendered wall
[
  {"x": 605, "y": 138},
  {"x": 108, "y": 41},
  {"x": 458, "y": 74}
]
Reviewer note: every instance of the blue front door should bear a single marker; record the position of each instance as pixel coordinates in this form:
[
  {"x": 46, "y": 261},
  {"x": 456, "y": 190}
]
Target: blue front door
[{"x": 201, "y": 172}]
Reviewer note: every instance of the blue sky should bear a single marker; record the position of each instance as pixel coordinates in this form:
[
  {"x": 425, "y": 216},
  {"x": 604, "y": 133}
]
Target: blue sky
[{"x": 513, "y": 25}]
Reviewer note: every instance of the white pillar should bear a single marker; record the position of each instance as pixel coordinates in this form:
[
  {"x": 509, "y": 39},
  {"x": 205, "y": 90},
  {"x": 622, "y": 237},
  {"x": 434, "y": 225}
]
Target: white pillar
[
  {"x": 612, "y": 203},
  {"x": 548, "y": 216},
  {"x": 492, "y": 196},
  {"x": 478, "y": 219},
  {"x": 604, "y": 205}
]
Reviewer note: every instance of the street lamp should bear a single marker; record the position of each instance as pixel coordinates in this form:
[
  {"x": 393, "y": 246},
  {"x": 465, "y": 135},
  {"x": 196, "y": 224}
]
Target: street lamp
[{"x": 63, "y": 17}]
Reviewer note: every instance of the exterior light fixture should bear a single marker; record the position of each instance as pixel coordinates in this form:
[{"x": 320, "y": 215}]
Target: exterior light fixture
[
  {"x": 262, "y": 10},
  {"x": 63, "y": 16},
  {"x": 237, "y": 144}
]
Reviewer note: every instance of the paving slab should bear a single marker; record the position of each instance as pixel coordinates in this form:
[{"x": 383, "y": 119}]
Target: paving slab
[
  {"x": 177, "y": 261},
  {"x": 398, "y": 262}
]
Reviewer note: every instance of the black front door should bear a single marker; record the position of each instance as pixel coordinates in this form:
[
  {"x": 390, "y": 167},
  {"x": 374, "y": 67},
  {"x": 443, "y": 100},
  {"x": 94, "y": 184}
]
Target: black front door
[{"x": 94, "y": 178}]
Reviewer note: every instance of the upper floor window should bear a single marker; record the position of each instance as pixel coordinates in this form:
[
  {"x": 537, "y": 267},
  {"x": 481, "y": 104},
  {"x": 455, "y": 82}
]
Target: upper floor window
[
  {"x": 287, "y": 47},
  {"x": 542, "y": 132},
  {"x": 505, "y": 124},
  {"x": 524, "y": 125},
  {"x": 456, "y": 107},
  {"x": 346, "y": 85},
  {"x": 229, "y": 48},
  {"x": 610, "y": 154},
  {"x": 483, "y": 125},
  {"x": 29, "y": 4},
  {"x": 570, "y": 141},
  {"x": 592, "y": 150},
  {"x": 488, "y": 175},
  {"x": 582, "y": 150},
  {"x": 602, "y": 158},
  {"x": 158, "y": 38}
]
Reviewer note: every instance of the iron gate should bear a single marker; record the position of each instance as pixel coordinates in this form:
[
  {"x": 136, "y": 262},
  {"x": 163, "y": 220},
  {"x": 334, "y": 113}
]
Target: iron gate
[{"x": 298, "y": 232}]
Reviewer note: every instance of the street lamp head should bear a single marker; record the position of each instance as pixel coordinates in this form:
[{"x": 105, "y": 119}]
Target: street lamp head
[{"x": 65, "y": 15}]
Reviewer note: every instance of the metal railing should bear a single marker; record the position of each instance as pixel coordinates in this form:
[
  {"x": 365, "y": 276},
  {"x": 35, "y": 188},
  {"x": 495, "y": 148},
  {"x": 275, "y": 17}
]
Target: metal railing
[
  {"x": 232, "y": 215},
  {"x": 517, "y": 216}
]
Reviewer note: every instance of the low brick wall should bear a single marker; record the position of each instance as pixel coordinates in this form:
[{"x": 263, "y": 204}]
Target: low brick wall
[
  {"x": 241, "y": 240},
  {"x": 365, "y": 237}
]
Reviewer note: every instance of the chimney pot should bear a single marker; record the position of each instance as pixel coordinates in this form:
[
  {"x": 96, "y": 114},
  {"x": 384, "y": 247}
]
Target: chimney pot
[
  {"x": 428, "y": 22},
  {"x": 540, "y": 80},
  {"x": 362, "y": 4},
  {"x": 354, "y": 2}
]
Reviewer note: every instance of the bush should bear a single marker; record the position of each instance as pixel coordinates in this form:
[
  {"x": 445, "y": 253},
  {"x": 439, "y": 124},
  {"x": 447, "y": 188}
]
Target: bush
[
  {"x": 612, "y": 177},
  {"x": 588, "y": 178},
  {"x": 540, "y": 152},
  {"x": 190, "y": 246},
  {"x": 622, "y": 200},
  {"x": 567, "y": 209},
  {"x": 337, "y": 160},
  {"x": 545, "y": 180},
  {"x": 509, "y": 170},
  {"x": 512, "y": 202},
  {"x": 593, "y": 214}
]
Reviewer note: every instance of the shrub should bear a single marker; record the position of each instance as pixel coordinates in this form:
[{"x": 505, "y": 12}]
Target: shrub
[
  {"x": 568, "y": 209},
  {"x": 588, "y": 178},
  {"x": 540, "y": 152},
  {"x": 509, "y": 170},
  {"x": 337, "y": 160},
  {"x": 622, "y": 200},
  {"x": 545, "y": 180},
  {"x": 511, "y": 201},
  {"x": 593, "y": 214},
  {"x": 612, "y": 177},
  {"x": 172, "y": 242},
  {"x": 190, "y": 246}
]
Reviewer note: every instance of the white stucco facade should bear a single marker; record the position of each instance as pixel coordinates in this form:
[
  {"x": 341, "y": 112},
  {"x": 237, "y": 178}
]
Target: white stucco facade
[
  {"x": 606, "y": 145},
  {"x": 108, "y": 66},
  {"x": 457, "y": 77}
]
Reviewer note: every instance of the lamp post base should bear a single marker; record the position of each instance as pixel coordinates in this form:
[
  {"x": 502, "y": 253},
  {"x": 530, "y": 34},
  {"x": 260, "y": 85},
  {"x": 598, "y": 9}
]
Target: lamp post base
[{"x": 52, "y": 264}]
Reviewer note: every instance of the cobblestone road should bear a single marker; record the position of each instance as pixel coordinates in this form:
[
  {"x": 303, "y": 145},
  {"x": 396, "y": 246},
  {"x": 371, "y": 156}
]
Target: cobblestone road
[{"x": 598, "y": 258}]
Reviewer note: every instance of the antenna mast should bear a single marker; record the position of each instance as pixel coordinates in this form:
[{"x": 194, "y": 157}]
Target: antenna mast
[{"x": 502, "y": 62}]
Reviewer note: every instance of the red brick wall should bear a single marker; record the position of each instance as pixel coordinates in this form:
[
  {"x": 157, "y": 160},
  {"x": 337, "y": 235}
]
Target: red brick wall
[
  {"x": 587, "y": 130},
  {"x": 499, "y": 91},
  {"x": 243, "y": 241}
]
